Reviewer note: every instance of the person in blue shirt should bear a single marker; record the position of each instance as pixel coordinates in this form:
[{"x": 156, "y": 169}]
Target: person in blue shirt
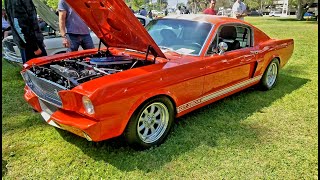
[
  {"x": 74, "y": 31},
  {"x": 143, "y": 12}
]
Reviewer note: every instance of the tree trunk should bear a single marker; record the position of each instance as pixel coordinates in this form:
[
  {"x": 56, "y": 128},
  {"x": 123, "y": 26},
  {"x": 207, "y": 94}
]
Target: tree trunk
[{"x": 300, "y": 12}]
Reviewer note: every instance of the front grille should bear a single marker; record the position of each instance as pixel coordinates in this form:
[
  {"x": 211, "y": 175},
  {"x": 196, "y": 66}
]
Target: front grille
[
  {"x": 47, "y": 107},
  {"x": 44, "y": 89}
]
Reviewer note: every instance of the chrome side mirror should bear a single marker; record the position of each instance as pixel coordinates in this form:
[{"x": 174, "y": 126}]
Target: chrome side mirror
[{"x": 222, "y": 46}]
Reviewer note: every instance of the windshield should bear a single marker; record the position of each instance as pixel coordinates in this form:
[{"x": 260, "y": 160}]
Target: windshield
[{"x": 180, "y": 36}]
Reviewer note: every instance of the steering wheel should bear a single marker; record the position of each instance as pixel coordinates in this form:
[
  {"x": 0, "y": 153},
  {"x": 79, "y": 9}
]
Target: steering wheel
[{"x": 196, "y": 44}]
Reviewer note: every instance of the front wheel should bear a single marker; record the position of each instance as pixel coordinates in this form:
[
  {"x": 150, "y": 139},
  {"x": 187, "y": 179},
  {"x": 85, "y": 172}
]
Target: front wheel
[
  {"x": 150, "y": 124},
  {"x": 270, "y": 75}
]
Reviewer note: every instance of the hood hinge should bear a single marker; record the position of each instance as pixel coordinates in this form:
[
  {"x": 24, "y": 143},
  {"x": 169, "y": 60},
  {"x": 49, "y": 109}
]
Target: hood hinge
[{"x": 99, "y": 48}]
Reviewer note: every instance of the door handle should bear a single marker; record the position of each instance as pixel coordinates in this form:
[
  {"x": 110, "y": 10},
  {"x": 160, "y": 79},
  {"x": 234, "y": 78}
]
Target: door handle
[{"x": 224, "y": 61}]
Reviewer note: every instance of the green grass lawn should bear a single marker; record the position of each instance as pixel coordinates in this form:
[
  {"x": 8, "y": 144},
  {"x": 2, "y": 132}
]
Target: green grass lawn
[{"x": 250, "y": 135}]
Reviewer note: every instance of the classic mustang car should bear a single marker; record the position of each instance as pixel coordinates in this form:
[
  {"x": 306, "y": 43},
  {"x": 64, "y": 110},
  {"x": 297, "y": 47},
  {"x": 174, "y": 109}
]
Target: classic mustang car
[
  {"x": 144, "y": 78},
  {"x": 52, "y": 37}
]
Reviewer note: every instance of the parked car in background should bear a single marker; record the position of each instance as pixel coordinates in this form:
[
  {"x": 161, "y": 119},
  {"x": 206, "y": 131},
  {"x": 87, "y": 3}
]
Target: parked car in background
[
  {"x": 254, "y": 13},
  {"x": 275, "y": 14},
  {"x": 147, "y": 77},
  {"x": 309, "y": 15},
  {"x": 52, "y": 37},
  {"x": 224, "y": 12},
  {"x": 143, "y": 19}
]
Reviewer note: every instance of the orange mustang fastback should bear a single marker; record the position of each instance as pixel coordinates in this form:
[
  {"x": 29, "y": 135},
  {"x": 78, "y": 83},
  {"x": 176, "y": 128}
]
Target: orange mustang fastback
[{"x": 144, "y": 78}]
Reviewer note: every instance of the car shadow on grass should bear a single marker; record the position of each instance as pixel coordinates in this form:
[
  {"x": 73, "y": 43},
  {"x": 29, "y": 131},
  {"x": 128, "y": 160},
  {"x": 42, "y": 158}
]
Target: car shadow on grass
[{"x": 217, "y": 124}]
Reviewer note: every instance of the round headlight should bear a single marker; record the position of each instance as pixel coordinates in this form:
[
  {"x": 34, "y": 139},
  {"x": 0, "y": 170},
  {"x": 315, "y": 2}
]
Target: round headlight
[{"x": 87, "y": 104}]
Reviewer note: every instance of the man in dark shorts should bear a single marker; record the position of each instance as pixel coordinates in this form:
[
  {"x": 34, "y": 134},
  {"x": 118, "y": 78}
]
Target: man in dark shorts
[{"x": 73, "y": 29}]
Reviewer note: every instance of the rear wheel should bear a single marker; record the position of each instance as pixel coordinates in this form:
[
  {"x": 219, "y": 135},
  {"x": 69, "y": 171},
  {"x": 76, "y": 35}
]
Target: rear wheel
[
  {"x": 270, "y": 75},
  {"x": 150, "y": 124}
]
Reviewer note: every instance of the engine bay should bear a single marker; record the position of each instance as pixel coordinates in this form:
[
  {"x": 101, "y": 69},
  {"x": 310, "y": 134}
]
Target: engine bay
[{"x": 74, "y": 71}]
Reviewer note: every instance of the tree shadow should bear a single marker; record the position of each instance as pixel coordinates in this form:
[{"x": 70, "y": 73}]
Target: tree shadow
[
  {"x": 312, "y": 22},
  {"x": 292, "y": 20},
  {"x": 4, "y": 167},
  {"x": 202, "y": 127},
  {"x": 22, "y": 121}
]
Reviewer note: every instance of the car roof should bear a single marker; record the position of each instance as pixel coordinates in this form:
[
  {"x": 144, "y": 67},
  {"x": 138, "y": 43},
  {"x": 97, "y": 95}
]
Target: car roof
[{"x": 212, "y": 19}]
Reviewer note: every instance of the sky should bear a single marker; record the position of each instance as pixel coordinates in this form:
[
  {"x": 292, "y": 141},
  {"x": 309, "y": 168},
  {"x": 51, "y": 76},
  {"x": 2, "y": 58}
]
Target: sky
[{"x": 174, "y": 2}]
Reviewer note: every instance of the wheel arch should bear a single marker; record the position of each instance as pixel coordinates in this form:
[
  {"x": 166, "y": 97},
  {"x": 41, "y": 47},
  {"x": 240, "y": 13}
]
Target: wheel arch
[
  {"x": 275, "y": 56},
  {"x": 144, "y": 99}
]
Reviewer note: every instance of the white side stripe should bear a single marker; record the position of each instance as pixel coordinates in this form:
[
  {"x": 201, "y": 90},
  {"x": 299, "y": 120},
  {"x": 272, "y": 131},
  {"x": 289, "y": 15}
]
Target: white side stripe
[{"x": 216, "y": 94}]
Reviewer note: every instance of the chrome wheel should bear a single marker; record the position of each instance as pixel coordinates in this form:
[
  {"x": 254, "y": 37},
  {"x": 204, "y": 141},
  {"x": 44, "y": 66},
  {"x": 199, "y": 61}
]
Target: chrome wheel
[
  {"x": 153, "y": 122},
  {"x": 272, "y": 74}
]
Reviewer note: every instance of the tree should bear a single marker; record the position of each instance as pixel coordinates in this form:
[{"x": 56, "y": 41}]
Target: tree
[
  {"x": 303, "y": 6},
  {"x": 136, "y": 4},
  {"x": 52, "y": 3},
  {"x": 197, "y": 5},
  {"x": 253, "y": 4}
]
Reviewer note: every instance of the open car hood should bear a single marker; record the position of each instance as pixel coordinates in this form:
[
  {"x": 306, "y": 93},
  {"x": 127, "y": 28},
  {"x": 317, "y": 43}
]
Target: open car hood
[
  {"x": 46, "y": 14},
  {"x": 114, "y": 23}
]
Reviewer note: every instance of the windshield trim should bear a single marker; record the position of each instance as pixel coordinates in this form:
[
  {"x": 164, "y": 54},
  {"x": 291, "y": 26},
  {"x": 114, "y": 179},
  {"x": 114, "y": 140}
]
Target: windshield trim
[{"x": 205, "y": 42}]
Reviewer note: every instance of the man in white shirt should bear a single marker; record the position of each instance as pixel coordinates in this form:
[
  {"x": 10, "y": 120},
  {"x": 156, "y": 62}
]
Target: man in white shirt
[
  {"x": 239, "y": 10},
  {"x": 178, "y": 11}
]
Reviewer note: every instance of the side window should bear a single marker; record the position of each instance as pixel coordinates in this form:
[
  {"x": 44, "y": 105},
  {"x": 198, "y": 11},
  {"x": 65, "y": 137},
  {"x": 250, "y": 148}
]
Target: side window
[{"x": 236, "y": 37}]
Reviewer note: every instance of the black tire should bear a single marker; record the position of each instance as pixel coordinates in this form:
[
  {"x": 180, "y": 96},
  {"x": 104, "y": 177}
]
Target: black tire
[
  {"x": 270, "y": 75},
  {"x": 147, "y": 121}
]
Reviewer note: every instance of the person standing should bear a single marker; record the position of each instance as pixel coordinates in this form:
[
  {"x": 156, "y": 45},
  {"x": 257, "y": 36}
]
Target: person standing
[
  {"x": 143, "y": 12},
  {"x": 73, "y": 29},
  {"x": 6, "y": 29},
  {"x": 239, "y": 10},
  {"x": 131, "y": 9},
  {"x": 178, "y": 11},
  {"x": 210, "y": 9},
  {"x": 22, "y": 17},
  {"x": 166, "y": 12},
  {"x": 150, "y": 14}
]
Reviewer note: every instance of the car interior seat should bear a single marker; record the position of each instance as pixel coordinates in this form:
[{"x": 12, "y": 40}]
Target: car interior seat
[
  {"x": 168, "y": 37},
  {"x": 227, "y": 34}
]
